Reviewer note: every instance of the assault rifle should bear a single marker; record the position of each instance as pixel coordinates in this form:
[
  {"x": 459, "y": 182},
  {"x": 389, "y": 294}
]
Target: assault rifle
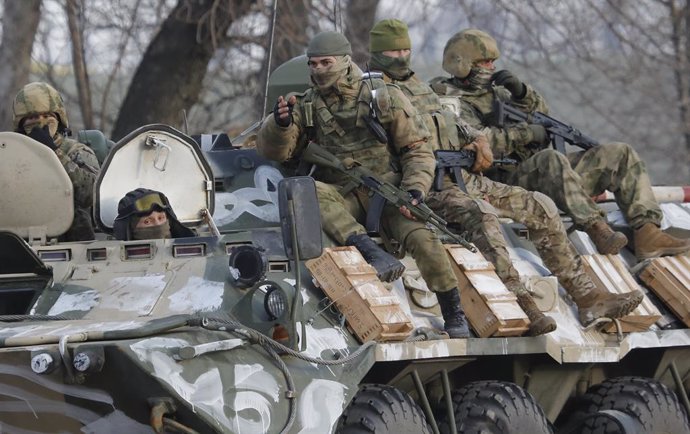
[
  {"x": 452, "y": 161},
  {"x": 380, "y": 192},
  {"x": 558, "y": 132}
]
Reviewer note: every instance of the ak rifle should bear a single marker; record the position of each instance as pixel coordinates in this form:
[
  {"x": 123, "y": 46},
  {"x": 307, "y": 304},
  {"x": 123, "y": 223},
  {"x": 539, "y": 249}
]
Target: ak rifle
[
  {"x": 384, "y": 191},
  {"x": 558, "y": 132},
  {"x": 452, "y": 161}
]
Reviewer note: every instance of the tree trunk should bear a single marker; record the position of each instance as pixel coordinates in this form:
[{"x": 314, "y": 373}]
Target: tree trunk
[
  {"x": 81, "y": 74},
  {"x": 170, "y": 76},
  {"x": 361, "y": 16},
  {"x": 19, "y": 24}
]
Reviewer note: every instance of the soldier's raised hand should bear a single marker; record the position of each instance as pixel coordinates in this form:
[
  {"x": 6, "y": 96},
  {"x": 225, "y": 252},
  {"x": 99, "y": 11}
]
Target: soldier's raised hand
[
  {"x": 508, "y": 80},
  {"x": 282, "y": 111}
]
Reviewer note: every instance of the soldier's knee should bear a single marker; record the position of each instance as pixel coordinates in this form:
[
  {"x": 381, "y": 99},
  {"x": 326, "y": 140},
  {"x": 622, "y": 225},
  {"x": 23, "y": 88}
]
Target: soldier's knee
[
  {"x": 550, "y": 158},
  {"x": 422, "y": 241},
  {"x": 623, "y": 151},
  {"x": 544, "y": 205}
]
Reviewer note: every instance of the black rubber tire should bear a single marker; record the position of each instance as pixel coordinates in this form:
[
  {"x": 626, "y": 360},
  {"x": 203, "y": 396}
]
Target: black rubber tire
[
  {"x": 495, "y": 407},
  {"x": 379, "y": 408},
  {"x": 651, "y": 403}
]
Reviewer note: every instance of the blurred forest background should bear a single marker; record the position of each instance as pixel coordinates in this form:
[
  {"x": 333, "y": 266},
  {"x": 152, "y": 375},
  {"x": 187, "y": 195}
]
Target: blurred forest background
[{"x": 616, "y": 69}]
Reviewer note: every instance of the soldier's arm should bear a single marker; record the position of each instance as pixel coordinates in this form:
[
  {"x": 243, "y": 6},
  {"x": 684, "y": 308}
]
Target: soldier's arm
[
  {"x": 280, "y": 143},
  {"x": 82, "y": 167},
  {"x": 531, "y": 102},
  {"x": 410, "y": 139},
  {"x": 503, "y": 141}
]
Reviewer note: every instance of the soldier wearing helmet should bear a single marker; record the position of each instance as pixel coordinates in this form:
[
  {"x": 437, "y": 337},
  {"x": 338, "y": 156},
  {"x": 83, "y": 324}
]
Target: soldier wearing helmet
[
  {"x": 572, "y": 180},
  {"x": 39, "y": 112},
  {"x": 144, "y": 214},
  {"x": 339, "y": 112}
]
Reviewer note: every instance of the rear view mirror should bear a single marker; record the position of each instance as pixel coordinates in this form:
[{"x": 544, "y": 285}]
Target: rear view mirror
[{"x": 300, "y": 217}]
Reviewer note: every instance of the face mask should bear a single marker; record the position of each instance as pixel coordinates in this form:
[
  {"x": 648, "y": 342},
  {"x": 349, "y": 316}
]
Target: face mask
[
  {"x": 41, "y": 122},
  {"x": 152, "y": 232},
  {"x": 397, "y": 68},
  {"x": 326, "y": 78},
  {"x": 479, "y": 78}
]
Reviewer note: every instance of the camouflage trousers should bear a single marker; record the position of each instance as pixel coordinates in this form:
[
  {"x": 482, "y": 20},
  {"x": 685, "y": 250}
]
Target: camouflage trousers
[
  {"x": 572, "y": 181},
  {"x": 477, "y": 213},
  {"x": 340, "y": 217}
]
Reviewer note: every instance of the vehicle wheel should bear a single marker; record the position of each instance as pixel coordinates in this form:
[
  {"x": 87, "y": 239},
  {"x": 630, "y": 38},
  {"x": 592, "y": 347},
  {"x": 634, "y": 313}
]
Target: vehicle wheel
[
  {"x": 495, "y": 407},
  {"x": 653, "y": 405},
  {"x": 379, "y": 408}
]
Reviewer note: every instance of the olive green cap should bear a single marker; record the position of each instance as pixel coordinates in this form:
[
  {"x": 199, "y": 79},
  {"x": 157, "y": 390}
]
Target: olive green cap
[
  {"x": 389, "y": 35},
  {"x": 329, "y": 44}
]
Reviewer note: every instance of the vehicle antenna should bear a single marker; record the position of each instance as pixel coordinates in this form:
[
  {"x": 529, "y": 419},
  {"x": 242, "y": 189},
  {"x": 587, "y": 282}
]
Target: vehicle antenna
[{"x": 270, "y": 54}]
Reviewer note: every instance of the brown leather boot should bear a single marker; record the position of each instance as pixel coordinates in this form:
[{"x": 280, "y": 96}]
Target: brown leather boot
[
  {"x": 539, "y": 323},
  {"x": 594, "y": 303},
  {"x": 652, "y": 242},
  {"x": 608, "y": 241}
]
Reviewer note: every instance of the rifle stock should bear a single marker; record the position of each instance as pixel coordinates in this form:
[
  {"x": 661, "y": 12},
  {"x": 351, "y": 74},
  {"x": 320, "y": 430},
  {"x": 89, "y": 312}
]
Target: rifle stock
[{"x": 315, "y": 154}]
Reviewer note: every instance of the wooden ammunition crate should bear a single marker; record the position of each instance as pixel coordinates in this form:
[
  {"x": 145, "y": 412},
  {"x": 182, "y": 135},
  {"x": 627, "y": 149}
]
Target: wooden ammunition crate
[
  {"x": 491, "y": 308},
  {"x": 610, "y": 273},
  {"x": 669, "y": 278},
  {"x": 371, "y": 311}
]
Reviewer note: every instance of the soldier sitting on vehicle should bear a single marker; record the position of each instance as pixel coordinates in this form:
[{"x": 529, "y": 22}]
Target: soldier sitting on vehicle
[
  {"x": 570, "y": 180},
  {"x": 39, "y": 113},
  {"x": 145, "y": 214},
  {"x": 338, "y": 113}
]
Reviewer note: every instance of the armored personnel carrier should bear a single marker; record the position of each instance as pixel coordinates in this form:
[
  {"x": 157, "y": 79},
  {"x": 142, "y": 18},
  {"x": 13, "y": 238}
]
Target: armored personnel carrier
[{"x": 227, "y": 332}]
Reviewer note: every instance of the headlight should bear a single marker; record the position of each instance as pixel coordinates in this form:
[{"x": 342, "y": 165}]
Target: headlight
[{"x": 275, "y": 302}]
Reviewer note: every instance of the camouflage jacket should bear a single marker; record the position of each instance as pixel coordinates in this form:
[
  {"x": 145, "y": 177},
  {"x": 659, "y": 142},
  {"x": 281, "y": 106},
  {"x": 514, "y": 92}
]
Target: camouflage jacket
[
  {"x": 81, "y": 166},
  {"x": 476, "y": 108},
  {"x": 447, "y": 130},
  {"x": 336, "y": 121}
]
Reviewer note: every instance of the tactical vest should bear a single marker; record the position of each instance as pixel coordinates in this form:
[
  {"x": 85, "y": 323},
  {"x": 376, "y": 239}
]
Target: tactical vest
[
  {"x": 440, "y": 123},
  {"x": 341, "y": 130}
]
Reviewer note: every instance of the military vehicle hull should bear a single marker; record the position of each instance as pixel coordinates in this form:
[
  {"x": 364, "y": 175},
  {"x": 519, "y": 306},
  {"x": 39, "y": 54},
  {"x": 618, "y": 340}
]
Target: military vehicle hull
[{"x": 166, "y": 336}]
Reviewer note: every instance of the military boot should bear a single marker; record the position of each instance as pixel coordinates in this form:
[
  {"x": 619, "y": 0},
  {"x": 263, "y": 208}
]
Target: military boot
[
  {"x": 594, "y": 303},
  {"x": 652, "y": 242},
  {"x": 455, "y": 322},
  {"x": 387, "y": 267},
  {"x": 608, "y": 241},
  {"x": 539, "y": 323}
]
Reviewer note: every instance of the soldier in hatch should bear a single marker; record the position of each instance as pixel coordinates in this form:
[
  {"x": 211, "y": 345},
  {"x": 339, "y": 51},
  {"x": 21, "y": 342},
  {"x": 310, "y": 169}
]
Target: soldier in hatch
[
  {"x": 39, "y": 113},
  {"x": 477, "y": 210},
  {"x": 569, "y": 180},
  {"x": 144, "y": 214},
  {"x": 333, "y": 113}
]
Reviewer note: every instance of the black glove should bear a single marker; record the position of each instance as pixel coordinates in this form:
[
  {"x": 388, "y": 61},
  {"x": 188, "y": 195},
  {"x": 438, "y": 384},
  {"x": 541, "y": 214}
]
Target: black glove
[
  {"x": 43, "y": 135},
  {"x": 506, "y": 79},
  {"x": 282, "y": 122},
  {"x": 417, "y": 195},
  {"x": 539, "y": 135}
]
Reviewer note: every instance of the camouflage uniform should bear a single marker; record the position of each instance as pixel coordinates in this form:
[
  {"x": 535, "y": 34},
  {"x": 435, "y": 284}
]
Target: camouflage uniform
[
  {"x": 570, "y": 181},
  {"x": 79, "y": 161},
  {"x": 335, "y": 121},
  {"x": 533, "y": 209}
]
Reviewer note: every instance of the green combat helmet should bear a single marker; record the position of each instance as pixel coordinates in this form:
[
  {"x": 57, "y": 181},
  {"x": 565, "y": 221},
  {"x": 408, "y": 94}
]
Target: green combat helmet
[
  {"x": 39, "y": 97},
  {"x": 466, "y": 47}
]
